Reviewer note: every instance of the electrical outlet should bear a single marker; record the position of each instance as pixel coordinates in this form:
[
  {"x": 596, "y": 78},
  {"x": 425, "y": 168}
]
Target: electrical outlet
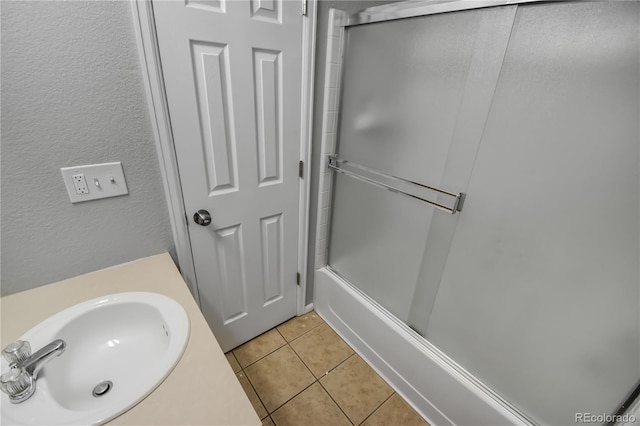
[
  {"x": 80, "y": 184},
  {"x": 86, "y": 183}
]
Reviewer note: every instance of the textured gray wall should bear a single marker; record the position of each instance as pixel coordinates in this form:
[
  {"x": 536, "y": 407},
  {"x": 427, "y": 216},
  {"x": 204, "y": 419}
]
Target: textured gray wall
[
  {"x": 349, "y": 6},
  {"x": 72, "y": 94}
]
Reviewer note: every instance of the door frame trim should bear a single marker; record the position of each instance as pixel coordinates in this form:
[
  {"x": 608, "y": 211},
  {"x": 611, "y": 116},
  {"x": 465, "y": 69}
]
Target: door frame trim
[
  {"x": 149, "y": 53},
  {"x": 153, "y": 81},
  {"x": 309, "y": 22}
]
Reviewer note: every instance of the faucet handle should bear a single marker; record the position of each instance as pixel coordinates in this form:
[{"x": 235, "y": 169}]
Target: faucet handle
[
  {"x": 17, "y": 351},
  {"x": 17, "y": 384}
]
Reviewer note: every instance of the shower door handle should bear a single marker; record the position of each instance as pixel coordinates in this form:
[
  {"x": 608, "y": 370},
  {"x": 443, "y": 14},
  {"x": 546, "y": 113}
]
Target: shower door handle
[
  {"x": 452, "y": 201},
  {"x": 202, "y": 218}
]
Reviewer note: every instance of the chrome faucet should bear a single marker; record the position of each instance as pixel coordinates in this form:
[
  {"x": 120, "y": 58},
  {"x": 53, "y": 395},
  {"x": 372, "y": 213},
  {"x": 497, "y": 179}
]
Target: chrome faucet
[
  {"x": 35, "y": 362},
  {"x": 20, "y": 381}
]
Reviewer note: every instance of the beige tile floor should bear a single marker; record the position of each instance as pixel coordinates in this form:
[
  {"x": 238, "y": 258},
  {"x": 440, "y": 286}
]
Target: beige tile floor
[{"x": 302, "y": 373}]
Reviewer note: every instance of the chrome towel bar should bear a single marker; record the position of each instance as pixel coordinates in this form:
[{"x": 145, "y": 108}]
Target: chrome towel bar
[{"x": 452, "y": 203}]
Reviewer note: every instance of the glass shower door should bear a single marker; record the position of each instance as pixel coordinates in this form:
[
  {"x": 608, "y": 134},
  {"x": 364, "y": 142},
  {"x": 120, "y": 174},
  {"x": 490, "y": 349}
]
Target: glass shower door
[
  {"x": 540, "y": 295},
  {"x": 534, "y": 287},
  {"x": 414, "y": 99}
]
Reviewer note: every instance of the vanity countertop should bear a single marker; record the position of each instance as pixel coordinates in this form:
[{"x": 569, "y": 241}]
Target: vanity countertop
[{"x": 202, "y": 389}]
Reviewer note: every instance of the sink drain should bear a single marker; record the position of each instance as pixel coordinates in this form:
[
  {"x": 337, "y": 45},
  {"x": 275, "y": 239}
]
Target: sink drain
[{"x": 102, "y": 388}]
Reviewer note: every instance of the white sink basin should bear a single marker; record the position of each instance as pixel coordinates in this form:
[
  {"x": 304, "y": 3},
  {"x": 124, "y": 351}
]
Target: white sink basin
[{"x": 130, "y": 339}]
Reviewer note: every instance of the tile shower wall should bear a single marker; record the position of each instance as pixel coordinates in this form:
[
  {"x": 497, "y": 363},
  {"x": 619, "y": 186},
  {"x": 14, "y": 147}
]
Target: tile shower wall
[
  {"x": 323, "y": 27},
  {"x": 335, "y": 46}
]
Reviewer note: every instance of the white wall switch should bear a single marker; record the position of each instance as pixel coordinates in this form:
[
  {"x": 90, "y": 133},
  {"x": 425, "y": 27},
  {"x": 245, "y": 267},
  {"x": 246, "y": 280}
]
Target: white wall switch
[{"x": 85, "y": 183}]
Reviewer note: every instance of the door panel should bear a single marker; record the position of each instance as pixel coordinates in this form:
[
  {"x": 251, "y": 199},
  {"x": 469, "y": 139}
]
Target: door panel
[
  {"x": 267, "y": 75},
  {"x": 233, "y": 74},
  {"x": 231, "y": 265},
  {"x": 272, "y": 257},
  {"x": 212, "y": 87}
]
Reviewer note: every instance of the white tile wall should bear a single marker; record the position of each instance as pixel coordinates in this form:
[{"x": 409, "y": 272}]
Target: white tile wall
[{"x": 335, "y": 48}]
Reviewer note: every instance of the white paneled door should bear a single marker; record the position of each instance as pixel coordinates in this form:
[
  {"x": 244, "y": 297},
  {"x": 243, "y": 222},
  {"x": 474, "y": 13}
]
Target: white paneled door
[{"x": 232, "y": 72}]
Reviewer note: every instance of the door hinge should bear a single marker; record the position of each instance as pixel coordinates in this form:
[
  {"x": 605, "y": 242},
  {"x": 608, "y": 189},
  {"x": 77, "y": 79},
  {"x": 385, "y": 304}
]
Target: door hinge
[
  {"x": 186, "y": 218},
  {"x": 300, "y": 168},
  {"x": 304, "y": 7},
  {"x": 298, "y": 278}
]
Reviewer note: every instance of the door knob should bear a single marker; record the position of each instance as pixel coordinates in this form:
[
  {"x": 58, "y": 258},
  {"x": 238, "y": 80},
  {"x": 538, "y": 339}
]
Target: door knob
[{"x": 202, "y": 217}]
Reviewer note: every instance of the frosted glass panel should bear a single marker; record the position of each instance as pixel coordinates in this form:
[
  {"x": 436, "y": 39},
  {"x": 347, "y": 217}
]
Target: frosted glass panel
[
  {"x": 402, "y": 88},
  {"x": 375, "y": 234},
  {"x": 412, "y": 90},
  {"x": 540, "y": 294}
]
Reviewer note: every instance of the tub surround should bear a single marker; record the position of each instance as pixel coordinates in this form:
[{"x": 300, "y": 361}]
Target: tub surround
[{"x": 202, "y": 389}]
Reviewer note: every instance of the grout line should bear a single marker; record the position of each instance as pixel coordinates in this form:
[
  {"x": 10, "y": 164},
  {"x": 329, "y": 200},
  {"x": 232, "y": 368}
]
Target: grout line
[
  {"x": 336, "y": 402},
  {"x": 316, "y": 379},
  {"x": 377, "y": 408},
  {"x": 289, "y": 400},
  {"x": 276, "y": 329},
  {"x": 332, "y": 368},
  {"x": 306, "y": 332},
  {"x": 263, "y": 356},
  {"x": 339, "y": 364},
  {"x": 302, "y": 361},
  {"x": 256, "y": 392},
  {"x": 331, "y": 396},
  {"x": 236, "y": 358},
  {"x": 355, "y": 353},
  {"x": 298, "y": 393}
]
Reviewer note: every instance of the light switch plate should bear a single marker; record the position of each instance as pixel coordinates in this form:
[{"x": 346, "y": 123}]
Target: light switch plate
[{"x": 102, "y": 181}]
